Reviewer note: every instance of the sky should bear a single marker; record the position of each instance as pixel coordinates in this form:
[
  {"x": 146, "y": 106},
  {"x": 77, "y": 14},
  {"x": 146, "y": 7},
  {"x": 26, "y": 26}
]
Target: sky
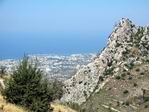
[{"x": 63, "y": 26}]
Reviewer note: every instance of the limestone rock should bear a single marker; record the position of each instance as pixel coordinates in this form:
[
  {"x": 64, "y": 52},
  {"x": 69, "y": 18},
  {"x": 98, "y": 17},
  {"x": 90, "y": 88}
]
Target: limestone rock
[{"x": 127, "y": 45}]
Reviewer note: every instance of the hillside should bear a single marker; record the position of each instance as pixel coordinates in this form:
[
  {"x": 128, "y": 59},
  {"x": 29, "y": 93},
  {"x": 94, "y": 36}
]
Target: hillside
[
  {"x": 8, "y": 107},
  {"x": 117, "y": 75},
  {"x": 123, "y": 93}
]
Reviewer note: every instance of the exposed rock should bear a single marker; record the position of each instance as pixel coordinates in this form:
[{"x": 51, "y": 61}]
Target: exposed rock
[{"x": 128, "y": 45}]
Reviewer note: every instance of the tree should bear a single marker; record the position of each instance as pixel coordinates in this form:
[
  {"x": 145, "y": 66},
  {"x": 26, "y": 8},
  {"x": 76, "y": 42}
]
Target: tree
[
  {"x": 57, "y": 89},
  {"x": 2, "y": 71},
  {"x": 29, "y": 88}
]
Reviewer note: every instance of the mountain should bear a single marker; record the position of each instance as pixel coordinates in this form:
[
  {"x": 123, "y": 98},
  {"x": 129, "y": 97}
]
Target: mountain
[{"x": 118, "y": 78}]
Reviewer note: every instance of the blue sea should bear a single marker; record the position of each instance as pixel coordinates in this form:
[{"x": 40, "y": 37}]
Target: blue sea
[{"x": 15, "y": 45}]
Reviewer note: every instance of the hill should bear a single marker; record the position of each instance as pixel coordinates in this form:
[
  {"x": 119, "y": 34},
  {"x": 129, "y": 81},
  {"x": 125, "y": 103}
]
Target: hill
[{"x": 117, "y": 76}]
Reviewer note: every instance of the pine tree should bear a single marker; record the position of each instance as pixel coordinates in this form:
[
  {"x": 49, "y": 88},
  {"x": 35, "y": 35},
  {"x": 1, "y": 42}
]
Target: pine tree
[{"x": 27, "y": 87}]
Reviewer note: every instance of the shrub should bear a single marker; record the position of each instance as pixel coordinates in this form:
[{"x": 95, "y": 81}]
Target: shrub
[
  {"x": 74, "y": 106},
  {"x": 138, "y": 36},
  {"x": 147, "y": 60},
  {"x": 127, "y": 103},
  {"x": 137, "y": 70},
  {"x": 123, "y": 74},
  {"x": 27, "y": 87},
  {"x": 108, "y": 71},
  {"x": 146, "y": 99},
  {"x": 146, "y": 106},
  {"x": 118, "y": 44},
  {"x": 118, "y": 77},
  {"x": 125, "y": 92},
  {"x": 142, "y": 73},
  {"x": 128, "y": 73},
  {"x": 85, "y": 94},
  {"x": 130, "y": 78},
  {"x": 2, "y": 71},
  {"x": 135, "y": 84},
  {"x": 57, "y": 90},
  {"x": 130, "y": 65},
  {"x": 118, "y": 103},
  {"x": 101, "y": 78}
]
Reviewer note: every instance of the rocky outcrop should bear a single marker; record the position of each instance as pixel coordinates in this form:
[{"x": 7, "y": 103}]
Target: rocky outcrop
[{"x": 128, "y": 45}]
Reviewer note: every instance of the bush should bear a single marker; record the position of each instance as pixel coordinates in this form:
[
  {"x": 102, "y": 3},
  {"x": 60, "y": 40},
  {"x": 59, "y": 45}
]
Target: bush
[
  {"x": 108, "y": 71},
  {"x": 135, "y": 84},
  {"x": 2, "y": 71},
  {"x": 130, "y": 65},
  {"x": 146, "y": 106},
  {"x": 125, "y": 92},
  {"x": 146, "y": 99},
  {"x": 118, "y": 77},
  {"x": 75, "y": 106},
  {"x": 142, "y": 73},
  {"x": 127, "y": 103},
  {"x": 101, "y": 78},
  {"x": 130, "y": 78},
  {"x": 27, "y": 87},
  {"x": 137, "y": 70},
  {"x": 123, "y": 75},
  {"x": 57, "y": 90}
]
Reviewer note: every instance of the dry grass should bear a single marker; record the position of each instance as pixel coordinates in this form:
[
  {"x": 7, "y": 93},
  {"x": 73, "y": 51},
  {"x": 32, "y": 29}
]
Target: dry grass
[
  {"x": 61, "y": 108},
  {"x": 7, "y": 107}
]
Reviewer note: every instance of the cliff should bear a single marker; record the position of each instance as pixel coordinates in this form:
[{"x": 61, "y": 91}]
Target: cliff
[{"x": 127, "y": 47}]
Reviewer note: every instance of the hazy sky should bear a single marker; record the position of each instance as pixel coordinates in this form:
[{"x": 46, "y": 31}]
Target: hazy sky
[{"x": 56, "y": 26}]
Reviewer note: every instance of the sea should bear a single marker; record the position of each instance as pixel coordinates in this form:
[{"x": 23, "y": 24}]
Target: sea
[{"x": 15, "y": 45}]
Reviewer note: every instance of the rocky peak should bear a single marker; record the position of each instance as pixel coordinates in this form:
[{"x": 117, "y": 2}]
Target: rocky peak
[
  {"x": 125, "y": 22},
  {"x": 123, "y": 28},
  {"x": 127, "y": 46}
]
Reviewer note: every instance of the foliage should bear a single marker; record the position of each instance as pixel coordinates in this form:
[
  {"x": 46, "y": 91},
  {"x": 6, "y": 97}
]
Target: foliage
[
  {"x": 138, "y": 36},
  {"x": 146, "y": 99},
  {"x": 130, "y": 65},
  {"x": 29, "y": 88},
  {"x": 2, "y": 71},
  {"x": 118, "y": 77},
  {"x": 108, "y": 71},
  {"x": 135, "y": 84},
  {"x": 57, "y": 90},
  {"x": 75, "y": 106},
  {"x": 125, "y": 92}
]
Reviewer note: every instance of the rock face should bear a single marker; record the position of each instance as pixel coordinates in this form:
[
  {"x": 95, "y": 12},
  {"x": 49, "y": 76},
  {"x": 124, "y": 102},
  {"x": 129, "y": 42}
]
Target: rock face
[{"x": 128, "y": 45}]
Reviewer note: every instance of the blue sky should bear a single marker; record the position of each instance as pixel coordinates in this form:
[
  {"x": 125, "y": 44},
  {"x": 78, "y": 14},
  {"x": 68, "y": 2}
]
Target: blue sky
[{"x": 63, "y": 26}]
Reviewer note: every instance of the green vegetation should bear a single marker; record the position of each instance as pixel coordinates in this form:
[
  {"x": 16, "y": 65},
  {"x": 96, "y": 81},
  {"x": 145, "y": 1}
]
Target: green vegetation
[
  {"x": 101, "y": 78},
  {"x": 123, "y": 75},
  {"x": 130, "y": 78},
  {"x": 137, "y": 70},
  {"x": 117, "y": 77},
  {"x": 146, "y": 99},
  {"x": 138, "y": 36},
  {"x": 125, "y": 92},
  {"x": 142, "y": 73},
  {"x": 108, "y": 71},
  {"x": 75, "y": 106},
  {"x": 2, "y": 71},
  {"x": 118, "y": 44},
  {"x": 130, "y": 65},
  {"x": 126, "y": 103},
  {"x": 29, "y": 88},
  {"x": 135, "y": 84}
]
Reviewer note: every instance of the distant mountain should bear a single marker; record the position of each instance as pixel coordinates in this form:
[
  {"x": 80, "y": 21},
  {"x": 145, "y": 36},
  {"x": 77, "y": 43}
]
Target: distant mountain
[
  {"x": 54, "y": 66},
  {"x": 117, "y": 79}
]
